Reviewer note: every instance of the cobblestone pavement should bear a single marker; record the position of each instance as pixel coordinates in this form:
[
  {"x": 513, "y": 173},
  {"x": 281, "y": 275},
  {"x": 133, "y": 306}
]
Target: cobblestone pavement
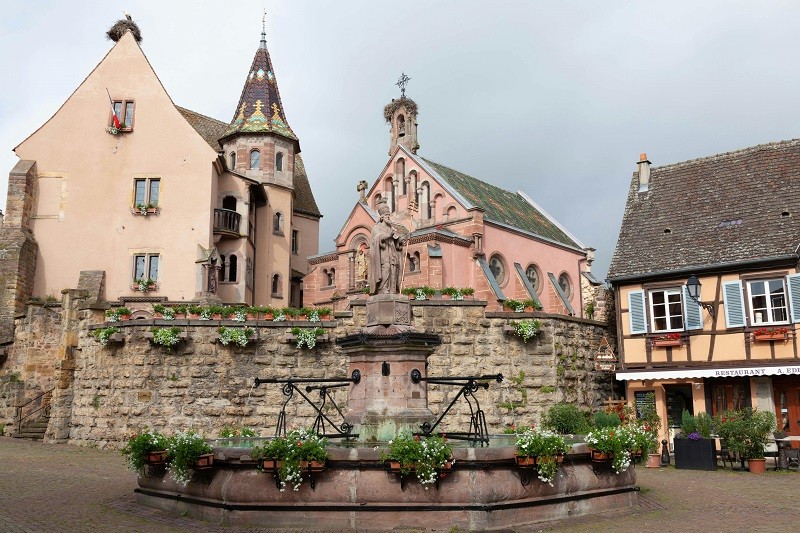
[{"x": 55, "y": 488}]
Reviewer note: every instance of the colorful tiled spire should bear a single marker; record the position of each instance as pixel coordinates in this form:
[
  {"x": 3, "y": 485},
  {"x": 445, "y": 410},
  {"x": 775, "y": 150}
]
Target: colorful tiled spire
[{"x": 260, "y": 109}]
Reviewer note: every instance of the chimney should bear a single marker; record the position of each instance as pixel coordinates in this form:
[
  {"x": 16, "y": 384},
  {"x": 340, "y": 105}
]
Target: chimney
[{"x": 643, "y": 172}]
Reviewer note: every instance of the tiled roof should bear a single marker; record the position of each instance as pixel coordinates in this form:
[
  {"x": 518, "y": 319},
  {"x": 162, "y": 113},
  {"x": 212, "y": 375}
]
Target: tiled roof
[
  {"x": 731, "y": 207},
  {"x": 303, "y": 197},
  {"x": 210, "y": 129},
  {"x": 502, "y": 206},
  {"x": 260, "y": 109}
]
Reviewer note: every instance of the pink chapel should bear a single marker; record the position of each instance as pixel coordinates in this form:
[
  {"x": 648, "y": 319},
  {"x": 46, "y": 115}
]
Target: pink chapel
[{"x": 462, "y": 233}]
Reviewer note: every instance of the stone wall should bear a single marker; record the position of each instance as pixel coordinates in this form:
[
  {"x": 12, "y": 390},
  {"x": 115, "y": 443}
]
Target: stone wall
[
  {"x": 37, "y": 347},
  {"x": 10, "y": 397},
  {"x": 202, "y": 385}
]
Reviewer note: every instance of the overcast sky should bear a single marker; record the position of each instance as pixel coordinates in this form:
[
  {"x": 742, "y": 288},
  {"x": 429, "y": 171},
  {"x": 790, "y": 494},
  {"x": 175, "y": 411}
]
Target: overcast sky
[{"x": 553, "y": 98}]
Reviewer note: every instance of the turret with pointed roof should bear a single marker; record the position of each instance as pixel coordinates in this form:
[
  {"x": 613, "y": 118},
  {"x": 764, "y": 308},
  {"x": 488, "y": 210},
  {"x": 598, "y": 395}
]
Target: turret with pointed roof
[{"x": 260, "y": 109}]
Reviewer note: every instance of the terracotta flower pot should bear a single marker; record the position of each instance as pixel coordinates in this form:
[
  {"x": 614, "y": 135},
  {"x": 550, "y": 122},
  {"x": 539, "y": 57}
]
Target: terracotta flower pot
[
  {"x": 599, "y": 456},
  {"x": 524, "y": 461},
  {"x": 269, "y": 316},
  {"x": 653, "y": 460},
  {"x": 757, "y": 466},
  {"x": 312, "y": 466},
  {"x": 269, "y": 465},
  {"x": 157, "y": 457},
  {"x": 204, "y": 461}
]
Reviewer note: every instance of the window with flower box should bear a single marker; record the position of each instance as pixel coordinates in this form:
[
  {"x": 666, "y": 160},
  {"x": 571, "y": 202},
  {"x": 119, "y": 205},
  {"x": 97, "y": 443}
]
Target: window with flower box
[
  {"x": 123, "y": 113},
  {"x": 666, "y": 310},
  {"x": 145, "y": 268},
  {"x": 663, "y": 310},
  {"x": 767, "y": 302},
  {"x": 146, "y": 194}
]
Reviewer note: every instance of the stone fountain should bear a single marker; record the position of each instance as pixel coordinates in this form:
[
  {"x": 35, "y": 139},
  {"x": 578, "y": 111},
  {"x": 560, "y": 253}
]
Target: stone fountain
[{"x": 484, "y": 490}]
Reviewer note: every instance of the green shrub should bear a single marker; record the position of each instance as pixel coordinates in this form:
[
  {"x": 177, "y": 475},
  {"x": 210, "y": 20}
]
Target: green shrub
[
  {"x": 566, "y": 419},
  {"x": 606, "y": 420},
  {"x": 701, "y": 423}
]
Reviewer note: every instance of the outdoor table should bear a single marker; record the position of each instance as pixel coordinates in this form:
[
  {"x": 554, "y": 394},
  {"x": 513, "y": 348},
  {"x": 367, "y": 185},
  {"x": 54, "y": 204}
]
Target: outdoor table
[{"x": 783, "y": 462}]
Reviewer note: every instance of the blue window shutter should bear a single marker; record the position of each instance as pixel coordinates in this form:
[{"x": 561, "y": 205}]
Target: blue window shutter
[
  {"x": 692, "y": 311},
  {"x": 734, "y": 304},
  {"x": 793, "y": 282},
  {"x": 637, "y": 313}
]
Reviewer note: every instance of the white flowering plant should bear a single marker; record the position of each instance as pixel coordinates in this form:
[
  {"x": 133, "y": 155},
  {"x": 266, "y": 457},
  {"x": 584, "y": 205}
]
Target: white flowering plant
[
  {"x": 140, "y": 445},
  {"x": 546, "y": 446},
  {"x": 526, "y": 328},
  {"x": 237, "y": 336},
  {"x": 104, "y": 334},
  {"x": 291, "y": 451},
  {"x": 183, "y": 451},
  {"x": 618, "y": 441},
  {"x": 240, "y": 314},
  {"x": 168, "y": 337},
  {"x": 307, "y": 336},
  {"x": 425, "y": 456}
]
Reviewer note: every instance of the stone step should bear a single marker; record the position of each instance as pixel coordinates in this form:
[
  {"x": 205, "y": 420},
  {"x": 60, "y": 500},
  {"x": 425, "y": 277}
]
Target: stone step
[{"x": 29, "y": 435}]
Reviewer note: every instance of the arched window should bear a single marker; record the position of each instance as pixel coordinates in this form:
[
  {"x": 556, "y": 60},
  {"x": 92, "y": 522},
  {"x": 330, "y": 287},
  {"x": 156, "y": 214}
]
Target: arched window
[
  {"x": 451, "y": 213},
  {"x": 400, "y": 174},
  {"x": 295, "y": 241},
  {"x": 232, "y": 267},
  {"x": 425, "y": 201},
  {"x": 401, "y": 126},
  {"x": 413, "y": 264},
  {"x": 438, "y": 200},
  {"x": 532, "y": 273},
  {"x": 233, "y": 160},
  {"x": 498, "y": 268},
  {"x": 331, "y": 277},
  {"x": 255, "y": 159},
  {"x": 276, "y": 284},
  {"x": 277, "y": 223},
  {"x": 222, "y": 270},
  {"x": 229, "y": 202},
  {"x": 279, "y": 162},
  {"x": 565, "y": 284},
  {"x": 378, "y": 197},
  {"x": 389, "y": 189}
]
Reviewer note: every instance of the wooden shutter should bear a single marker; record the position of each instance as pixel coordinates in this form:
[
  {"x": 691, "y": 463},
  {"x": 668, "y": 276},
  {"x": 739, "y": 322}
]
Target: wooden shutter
[
  {"x": 793, "y": 282},
  {"x": 637, "y": 312},
  {"x": 692, "y": 312},
  {"x": 733, "y": 299}
]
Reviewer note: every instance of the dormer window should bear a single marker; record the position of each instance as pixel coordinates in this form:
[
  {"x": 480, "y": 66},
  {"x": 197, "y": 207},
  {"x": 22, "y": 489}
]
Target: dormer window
[{"x": 279, "y": 162}]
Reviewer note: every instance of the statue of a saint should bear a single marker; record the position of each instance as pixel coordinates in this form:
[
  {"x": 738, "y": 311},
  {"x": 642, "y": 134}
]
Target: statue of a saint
[
  {"x": 386, "y": 254},
  {"x": 361, "y": 266}
]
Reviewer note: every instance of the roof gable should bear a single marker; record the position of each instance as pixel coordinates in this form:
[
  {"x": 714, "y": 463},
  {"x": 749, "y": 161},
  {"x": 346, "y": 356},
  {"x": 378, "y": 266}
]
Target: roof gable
[{"x": 745, "y": 206}]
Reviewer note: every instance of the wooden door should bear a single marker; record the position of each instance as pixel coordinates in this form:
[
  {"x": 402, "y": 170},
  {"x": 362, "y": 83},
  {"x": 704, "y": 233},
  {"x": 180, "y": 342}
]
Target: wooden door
[{"x": 787, "y": 405}]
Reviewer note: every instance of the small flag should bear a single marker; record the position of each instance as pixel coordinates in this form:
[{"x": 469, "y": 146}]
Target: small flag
[{"x": 113, "y": 113}]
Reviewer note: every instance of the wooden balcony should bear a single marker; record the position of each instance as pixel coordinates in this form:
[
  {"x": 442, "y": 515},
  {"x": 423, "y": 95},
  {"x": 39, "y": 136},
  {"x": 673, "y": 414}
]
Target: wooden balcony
[{"x": 226, "y": 222}]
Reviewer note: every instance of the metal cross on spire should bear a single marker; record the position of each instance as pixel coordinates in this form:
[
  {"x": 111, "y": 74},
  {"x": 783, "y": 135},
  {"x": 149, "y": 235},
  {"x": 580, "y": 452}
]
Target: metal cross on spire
[
  {"x": 264, "y": 27},
  {"x": 402, "y": 82}
]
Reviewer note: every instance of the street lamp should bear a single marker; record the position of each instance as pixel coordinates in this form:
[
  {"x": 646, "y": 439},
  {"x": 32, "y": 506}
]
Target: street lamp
[{"x": 693, "y": 287}]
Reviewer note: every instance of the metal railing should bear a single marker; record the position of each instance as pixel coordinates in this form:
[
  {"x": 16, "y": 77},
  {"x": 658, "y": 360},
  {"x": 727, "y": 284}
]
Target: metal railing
[
  {"x": 41, "y": 404},
  {"x": 227, "y": 221}
]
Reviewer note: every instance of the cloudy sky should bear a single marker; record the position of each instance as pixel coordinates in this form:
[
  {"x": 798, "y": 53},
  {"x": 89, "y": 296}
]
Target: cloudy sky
[{"x": 553, "y": 98}]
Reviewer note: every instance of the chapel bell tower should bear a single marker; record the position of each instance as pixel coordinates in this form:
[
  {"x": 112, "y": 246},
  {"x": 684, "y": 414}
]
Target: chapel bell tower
[{"x": 401, "y": 115}]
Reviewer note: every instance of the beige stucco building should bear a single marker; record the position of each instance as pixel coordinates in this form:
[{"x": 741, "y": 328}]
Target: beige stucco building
[{"x": 153, "y": 191}]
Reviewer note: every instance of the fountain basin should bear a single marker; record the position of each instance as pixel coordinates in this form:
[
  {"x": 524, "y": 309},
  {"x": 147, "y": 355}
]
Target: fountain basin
[{"x": 484, "y": 490}]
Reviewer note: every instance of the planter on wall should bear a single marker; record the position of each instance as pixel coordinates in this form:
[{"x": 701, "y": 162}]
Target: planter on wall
[
  {"x": 763, "y": 337},
  {"x": 698, "y": 454},
  {"x": 663, "y": 343}
]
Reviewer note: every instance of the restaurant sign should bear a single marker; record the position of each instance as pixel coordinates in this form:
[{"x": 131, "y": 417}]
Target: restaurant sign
[{"x": 710, "y": 372}]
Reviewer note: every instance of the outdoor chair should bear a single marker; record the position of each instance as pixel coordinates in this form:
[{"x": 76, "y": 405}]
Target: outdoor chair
[
  {"x": 792, "y": 454},
  {"x": 725, "y": 455}
]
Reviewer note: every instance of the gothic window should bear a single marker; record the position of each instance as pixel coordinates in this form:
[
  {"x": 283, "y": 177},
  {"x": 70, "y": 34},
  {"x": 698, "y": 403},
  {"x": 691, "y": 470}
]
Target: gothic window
[
  {"x": 277, "y": 223},
  {"x": 331, "y": 275},
  {"x": 400, "y": 174},
  {"x": 295, "y": 241},
  {"x": 276, "y": 285},
  {"x": 389, "y": 189},
  {"x": 222, "y": 271},
  {"x": 498, "y": 268},
  {"x": 232, "y": 268},
  {"x": 425, "y": 201},
  {"x": 233, "y": 160},
  {"x": 255, "y": 159},
  {"x": 532, "y": 273},
  {"x": 565, "y": 284},
  {"x": 413, "y": 262},
  {"x": 401, "y": 126},
  {"x": 279, "y": 162}
]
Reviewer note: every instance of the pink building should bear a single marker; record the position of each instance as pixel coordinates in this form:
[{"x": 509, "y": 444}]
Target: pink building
[
  {"x": 150, "y": 192},
  {"x": 464, "y": 233}
]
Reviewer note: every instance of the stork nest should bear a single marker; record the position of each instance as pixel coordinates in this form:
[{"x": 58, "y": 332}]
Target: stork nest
[
  {"x": 116, "y": 31},
  {"x": 389, "y": 110}
]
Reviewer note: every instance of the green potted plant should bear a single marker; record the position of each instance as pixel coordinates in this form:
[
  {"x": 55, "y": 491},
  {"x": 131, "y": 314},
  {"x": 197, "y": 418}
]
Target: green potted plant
[
  {"x": 104, "y": 335},
  {"x": 120, "y": 313},
  {"x": 237, "y": 336},
  {"x": 541, "y": 449},
  {"x": 298, "y": 452},
  {"x": 526, "y": 329},
  {"x": 531, "y": 304},
  {"x": 747, "y": 432},
  {"x": 237, "y": 436},
  {"x": 426, "y": 457},
  {"x": 514, "y": 305},
  {"x": 693, "y": 446},
  {"x": 240, "y": 314},
  {"x": 144, "y": 284},
  {"x": 652, "y": 421},
  {"x": 187, "y": 451},
  {"x": 566, "y": 419},
  {"x": 612, "y": 443},
  {"x": 169, "y": 336},
  {"x": 307, "y": 336},
  {"x": 194, "y": 311},
  {"x": 158, "y": 309},
  {"x": 148, "y": 447}
]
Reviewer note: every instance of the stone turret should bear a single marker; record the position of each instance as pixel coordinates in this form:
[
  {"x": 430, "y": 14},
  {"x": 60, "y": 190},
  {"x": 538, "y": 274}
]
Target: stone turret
[{"x": 401, "y": 115}]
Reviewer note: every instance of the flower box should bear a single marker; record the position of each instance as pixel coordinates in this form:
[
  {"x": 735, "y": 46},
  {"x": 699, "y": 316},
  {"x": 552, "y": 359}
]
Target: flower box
[
  {"x": 204, "y": 461},
  {"x": 763, "y": 337},
  {"x": 663, "y": 343},
  {"x": 601, "y": 457},
  {"x": 157, "y": 457},
  {"x": 270, "y": 465},
  {"x": 525, "y": 462},
  {"x": 700, "y": 454},
  {"x": 312, "y": 466}
]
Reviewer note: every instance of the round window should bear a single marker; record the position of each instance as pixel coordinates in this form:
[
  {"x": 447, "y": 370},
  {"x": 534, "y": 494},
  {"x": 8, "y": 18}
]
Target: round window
[
  {"x": 564, "y": 283},
  {"x": 532, "y": 273},
  {"x": 498, "y": 269}
]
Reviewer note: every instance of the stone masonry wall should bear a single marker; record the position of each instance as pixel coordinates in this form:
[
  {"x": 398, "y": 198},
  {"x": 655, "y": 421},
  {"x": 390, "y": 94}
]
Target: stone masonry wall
[{"x": 126, "y": 387}]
